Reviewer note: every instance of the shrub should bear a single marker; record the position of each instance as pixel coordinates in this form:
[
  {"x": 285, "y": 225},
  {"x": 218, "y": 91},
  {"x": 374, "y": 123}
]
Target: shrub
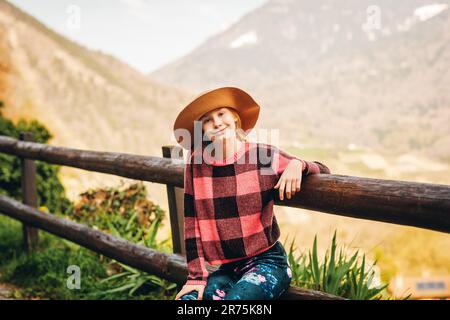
[
  {"x": 342, "y": 276},
  {"x": 51, "y": 192},
  {"x": 127, "y": 214}
]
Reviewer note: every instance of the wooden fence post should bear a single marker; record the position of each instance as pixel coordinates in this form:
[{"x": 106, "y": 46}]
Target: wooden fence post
[
  {"x": 29, "y": 194},
  {"x": 175, "y": 198}
]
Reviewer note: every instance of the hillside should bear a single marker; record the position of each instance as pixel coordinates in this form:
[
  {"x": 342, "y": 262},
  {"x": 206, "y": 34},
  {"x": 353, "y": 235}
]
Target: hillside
[
  {"x": 325, "y": 77},
  {"x": 87, "y": 99}
]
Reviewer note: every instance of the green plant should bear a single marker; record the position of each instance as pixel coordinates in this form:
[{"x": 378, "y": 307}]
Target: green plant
[
  {"x": 338, "y": 275},
  {"x": 131, "y": 280},
  {"x": 51, "y": 193},
  {"x": 128, "y": 214},
  {"x": 125, "y": 213},
  {"x": 43, "y": 274}
]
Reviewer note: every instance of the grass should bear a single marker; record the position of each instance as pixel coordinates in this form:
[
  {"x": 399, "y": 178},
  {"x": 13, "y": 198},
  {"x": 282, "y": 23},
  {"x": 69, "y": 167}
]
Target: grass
[{"x": 44, "y": 273}]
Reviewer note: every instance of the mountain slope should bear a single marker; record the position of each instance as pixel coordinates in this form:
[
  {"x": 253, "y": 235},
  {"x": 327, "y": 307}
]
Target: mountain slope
[
  {"x": 343, "y": 82},
  {"x": 88, "y": 100}
]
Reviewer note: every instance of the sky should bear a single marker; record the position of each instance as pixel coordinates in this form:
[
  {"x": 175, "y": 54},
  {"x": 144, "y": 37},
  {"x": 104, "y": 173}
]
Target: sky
[{"x": 146, "y": 34}]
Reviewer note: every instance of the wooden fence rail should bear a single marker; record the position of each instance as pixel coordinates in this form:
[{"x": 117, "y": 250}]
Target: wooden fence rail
[
  {"x": 422, "y": 205},
  {"x": 415, "y": 204}
]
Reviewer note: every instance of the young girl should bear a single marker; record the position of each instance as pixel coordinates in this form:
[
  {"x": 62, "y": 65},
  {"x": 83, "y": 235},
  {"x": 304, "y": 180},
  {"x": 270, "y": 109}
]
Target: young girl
[{"x": 228, "y": 200}]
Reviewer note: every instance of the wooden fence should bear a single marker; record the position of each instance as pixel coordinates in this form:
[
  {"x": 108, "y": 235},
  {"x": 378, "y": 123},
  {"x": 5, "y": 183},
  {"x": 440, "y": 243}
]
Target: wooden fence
[{"x": 421, "y": 205}]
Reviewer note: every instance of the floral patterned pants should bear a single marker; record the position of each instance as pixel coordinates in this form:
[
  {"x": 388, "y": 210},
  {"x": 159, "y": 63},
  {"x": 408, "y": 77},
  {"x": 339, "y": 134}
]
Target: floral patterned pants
[{"x": 261, "y": 277}]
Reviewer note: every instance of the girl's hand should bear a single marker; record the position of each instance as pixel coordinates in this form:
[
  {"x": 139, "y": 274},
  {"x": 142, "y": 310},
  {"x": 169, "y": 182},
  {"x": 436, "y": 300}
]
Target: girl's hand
[
  {"x": 191, "y": 287},
  {"x": 291, "y": 179}
]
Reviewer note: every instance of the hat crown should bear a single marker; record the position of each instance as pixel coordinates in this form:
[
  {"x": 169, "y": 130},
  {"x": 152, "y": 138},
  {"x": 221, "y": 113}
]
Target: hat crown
[{"x": 232, "y": 97}]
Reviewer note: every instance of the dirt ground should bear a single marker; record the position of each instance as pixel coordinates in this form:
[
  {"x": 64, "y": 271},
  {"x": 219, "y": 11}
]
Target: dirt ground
[{"x": 7, "y": 291}]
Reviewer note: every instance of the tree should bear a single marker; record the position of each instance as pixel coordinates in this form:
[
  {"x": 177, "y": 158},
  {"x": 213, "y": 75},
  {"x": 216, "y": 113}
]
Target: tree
[{"x": 51, "y": 193}]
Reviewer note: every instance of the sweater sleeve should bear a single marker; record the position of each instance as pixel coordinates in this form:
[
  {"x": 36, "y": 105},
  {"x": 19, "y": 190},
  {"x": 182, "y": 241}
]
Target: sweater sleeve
[
  {"x": 197, "y": 272},
  {"x": 283, "y": 158}
]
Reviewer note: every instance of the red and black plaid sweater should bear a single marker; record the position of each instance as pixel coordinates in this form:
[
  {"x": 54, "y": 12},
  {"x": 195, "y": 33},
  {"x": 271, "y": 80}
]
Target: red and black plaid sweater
[{"x": 228, "y": 205}]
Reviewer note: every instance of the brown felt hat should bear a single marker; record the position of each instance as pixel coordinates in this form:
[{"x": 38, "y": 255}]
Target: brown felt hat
[{"x": 235, "y": 98}]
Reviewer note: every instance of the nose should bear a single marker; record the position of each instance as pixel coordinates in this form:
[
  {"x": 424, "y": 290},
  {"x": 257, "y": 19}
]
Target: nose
[{"x": 217, "y": 122}]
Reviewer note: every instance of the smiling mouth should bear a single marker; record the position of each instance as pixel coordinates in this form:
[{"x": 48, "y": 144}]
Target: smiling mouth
[{"x": 220, "y": 131}]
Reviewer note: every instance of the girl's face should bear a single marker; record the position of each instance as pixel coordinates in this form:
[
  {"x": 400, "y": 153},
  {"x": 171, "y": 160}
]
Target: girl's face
[{"x": 219, "y": 124}]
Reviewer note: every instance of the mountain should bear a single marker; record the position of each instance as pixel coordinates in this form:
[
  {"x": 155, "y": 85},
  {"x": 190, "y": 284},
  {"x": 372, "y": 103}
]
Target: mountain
[
  {"x": 330, "y": 73},
  {"x": 87, "y": 99}
]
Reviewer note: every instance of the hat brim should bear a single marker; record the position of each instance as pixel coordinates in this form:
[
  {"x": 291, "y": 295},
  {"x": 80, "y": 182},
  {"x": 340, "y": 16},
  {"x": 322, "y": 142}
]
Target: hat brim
[{"x": 232, "y": 97}]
